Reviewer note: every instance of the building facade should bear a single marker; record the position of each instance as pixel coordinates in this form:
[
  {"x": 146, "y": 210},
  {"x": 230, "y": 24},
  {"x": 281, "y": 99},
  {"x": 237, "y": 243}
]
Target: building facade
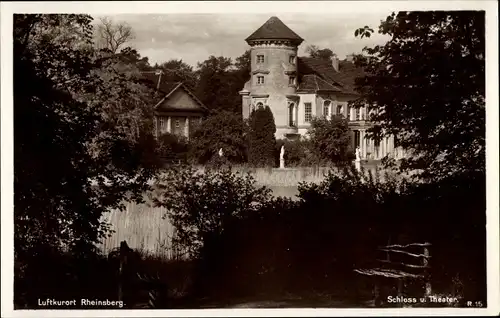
[
  {"x": 299, "y": 88},
  {"x": 177, "y": 109}
]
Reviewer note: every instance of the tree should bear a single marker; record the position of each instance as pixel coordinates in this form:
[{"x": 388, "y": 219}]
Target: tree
[
  {"x": 70, "y": 163},
  {"x": 243, "y": 65},
  {"x": 113, "y": 36},
  {"x": 214, "y": 83},
  {"x": 316, "y": 52},
  {"x": 221, "y": 130},
  {"x": 261, "y": 137},
  {"x": 124, "y": 99},
  {"x": 329, "y": 139},
  {"x": 179, "y": 71},
  {"x": 129, "y": 55},
  {"x": 426, "y": 86}
]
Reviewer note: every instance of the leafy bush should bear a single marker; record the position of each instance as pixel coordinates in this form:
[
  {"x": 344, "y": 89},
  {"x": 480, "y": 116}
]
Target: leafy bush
[
  {"x": 261, "y": 138},
  {"x": 330, "y": 140},
  {"x": 295, "y": 152},
  {"x": 201, "y": 203},
  {"x": 337, "y": 225},
  {"x": 224, "y": 130},
  {"x": 172, "y": 148}
]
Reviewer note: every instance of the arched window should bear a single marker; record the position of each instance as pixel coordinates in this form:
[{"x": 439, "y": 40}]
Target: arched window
[{"x": 326, "y": 108}]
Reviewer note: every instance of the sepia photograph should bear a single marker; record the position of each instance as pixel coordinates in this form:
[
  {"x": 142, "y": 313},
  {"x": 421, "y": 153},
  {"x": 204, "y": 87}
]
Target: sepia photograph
[{"x": 330, "y": 156}]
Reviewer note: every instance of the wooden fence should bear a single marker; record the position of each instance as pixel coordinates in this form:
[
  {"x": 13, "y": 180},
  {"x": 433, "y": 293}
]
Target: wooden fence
[{"x": 402, "y": 263}]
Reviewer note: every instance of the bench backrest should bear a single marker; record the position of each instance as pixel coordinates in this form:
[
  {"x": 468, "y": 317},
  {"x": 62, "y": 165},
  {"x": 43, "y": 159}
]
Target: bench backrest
[{"x": 412, "y": 258}]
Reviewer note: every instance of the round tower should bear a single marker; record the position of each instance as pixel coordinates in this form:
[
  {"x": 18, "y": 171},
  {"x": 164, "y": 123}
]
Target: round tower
[{"x": 274, "y": 75}]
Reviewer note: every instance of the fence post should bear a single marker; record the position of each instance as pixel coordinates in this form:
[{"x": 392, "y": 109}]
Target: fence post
[
  {"x": 376, "y": 293},
  {"x": 428, "y": 287},
  {"x": 123, "y": 261},
  {"x": 400, "y": 286}
]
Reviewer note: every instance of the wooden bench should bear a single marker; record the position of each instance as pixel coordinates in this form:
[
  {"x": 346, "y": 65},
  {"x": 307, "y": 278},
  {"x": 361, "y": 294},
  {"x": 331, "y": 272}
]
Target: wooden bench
[{"x": 402, "y": 263}]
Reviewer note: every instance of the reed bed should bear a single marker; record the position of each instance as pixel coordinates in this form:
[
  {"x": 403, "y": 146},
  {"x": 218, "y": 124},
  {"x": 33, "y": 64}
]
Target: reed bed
[{"x": 144, "y": 229}]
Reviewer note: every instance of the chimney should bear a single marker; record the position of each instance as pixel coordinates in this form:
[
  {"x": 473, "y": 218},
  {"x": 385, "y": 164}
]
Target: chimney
[
  {"x": 159, "y": 73},
  {"x": 335, "y": 62}
]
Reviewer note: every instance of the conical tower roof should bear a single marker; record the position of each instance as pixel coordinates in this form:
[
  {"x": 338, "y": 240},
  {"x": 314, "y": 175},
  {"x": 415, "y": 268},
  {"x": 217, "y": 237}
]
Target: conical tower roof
[{"x": 274, "y": 29}]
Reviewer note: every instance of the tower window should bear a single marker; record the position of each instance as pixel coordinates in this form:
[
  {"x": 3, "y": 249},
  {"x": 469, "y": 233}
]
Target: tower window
[
  {"x": 291, "y": 80},
  {"x": 291, "y": 59},
  {"x": 307, "y": 112},
  {"x": 260, "y": 79},
  {"x": 260, "y": 59}
]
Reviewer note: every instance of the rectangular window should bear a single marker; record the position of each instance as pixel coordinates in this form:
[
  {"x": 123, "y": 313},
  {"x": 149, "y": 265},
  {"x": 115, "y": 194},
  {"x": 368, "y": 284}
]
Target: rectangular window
[
  {"x": 358, "y": 114},
  {"x": 163, "y": 124},
  {"x": 291, "y": 59},
  {"x": 260, "y": 59},
  {"x": 307, "y": 112},
  {"x": 291, "y": 80},
  {"x": 339, "y": 110},
  {"x": 357, "y": 138},
  {"x": 326, "y": 109},
  {"x": 260, "y": 79}
]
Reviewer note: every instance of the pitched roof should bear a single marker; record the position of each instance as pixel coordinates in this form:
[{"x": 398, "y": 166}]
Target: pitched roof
[
  {"x": 161, "y": 84},
  {"x": 326, "y": 76},
  {"x": 274, "y": 29},
  {"x": 312, "y": 83},
  {"x": 166, "y": 88}
]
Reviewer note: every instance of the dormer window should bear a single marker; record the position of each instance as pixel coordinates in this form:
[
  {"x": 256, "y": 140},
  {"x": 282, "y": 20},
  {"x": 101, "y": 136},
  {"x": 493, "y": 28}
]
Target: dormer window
[
  {"x": 260, "y": 59},
  {"x": 291, "y": 59}
]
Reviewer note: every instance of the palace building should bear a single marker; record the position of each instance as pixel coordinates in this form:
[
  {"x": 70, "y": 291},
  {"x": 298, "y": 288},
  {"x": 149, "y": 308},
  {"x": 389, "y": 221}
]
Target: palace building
[{"x": 299, "y": 88}]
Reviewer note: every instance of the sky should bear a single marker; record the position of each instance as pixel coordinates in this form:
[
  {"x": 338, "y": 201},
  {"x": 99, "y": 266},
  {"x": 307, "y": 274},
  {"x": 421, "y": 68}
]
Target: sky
[{"x": 194, "y": 37}]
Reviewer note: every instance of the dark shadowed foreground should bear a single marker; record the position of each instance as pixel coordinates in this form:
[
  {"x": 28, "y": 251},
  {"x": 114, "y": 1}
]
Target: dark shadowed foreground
[{"x": 284, "y": 253}]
